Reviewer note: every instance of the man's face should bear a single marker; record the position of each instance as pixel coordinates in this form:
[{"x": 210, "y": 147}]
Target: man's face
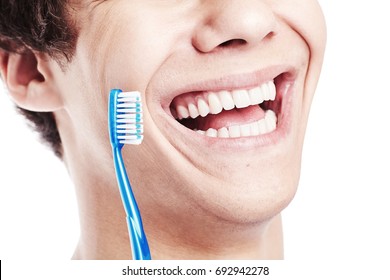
[{"x": 238, "y": 162}]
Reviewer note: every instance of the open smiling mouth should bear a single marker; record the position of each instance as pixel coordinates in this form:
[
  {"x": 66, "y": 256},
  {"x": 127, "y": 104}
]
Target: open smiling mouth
[{"x": 230, "y": 113}]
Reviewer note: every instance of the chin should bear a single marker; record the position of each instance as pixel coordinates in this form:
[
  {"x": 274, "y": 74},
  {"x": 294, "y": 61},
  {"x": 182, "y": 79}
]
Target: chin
[{"x": 249, "y": 198}]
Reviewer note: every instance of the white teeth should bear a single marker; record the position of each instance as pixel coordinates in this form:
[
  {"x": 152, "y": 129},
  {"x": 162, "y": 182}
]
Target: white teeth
[
  {"x": 255, "y": 95},
  {"x": 226, "y": 100},
  {"x": 193, "y": 110},
  {"x": 241, "y": 98},
  {"x": 272, "y": 91},
  {"x": 255, "y": 128},
  {"x": 223, "y": 132},
  {"x": 270, "y": 120},
  {"x": 270, "y": 114},
  {"x": 203, "y": 108},
  {"x": 214, "y": 102},
  {"x": 211, "y": 132},
  {"x": 234, "y": 131},
  {"x": 265, "y": 91},
  {"x": 260, "y": 127},
  {"x": 182, "y": 112},
  {"x": 245, "y": 130}
]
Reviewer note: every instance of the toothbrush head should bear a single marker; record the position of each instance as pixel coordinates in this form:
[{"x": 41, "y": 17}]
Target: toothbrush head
[{"x": 125, "y": 118}]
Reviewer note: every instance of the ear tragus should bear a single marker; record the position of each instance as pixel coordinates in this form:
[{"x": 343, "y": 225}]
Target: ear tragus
[{"x": 29, "y": 81}]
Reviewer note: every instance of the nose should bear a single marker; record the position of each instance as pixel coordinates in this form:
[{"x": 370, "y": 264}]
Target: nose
[{"x": 232, "y": 23}]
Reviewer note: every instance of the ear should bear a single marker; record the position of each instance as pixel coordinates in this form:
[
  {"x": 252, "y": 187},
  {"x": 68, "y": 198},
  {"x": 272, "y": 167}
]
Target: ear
[{"x": 28, "y": 77}]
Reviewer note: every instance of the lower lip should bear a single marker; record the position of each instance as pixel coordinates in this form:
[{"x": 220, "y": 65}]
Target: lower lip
[{"x": 285, "y": 89}]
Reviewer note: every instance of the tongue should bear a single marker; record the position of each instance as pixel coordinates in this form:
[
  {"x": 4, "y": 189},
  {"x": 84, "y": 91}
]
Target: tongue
[{"x": 232, "y": 117}]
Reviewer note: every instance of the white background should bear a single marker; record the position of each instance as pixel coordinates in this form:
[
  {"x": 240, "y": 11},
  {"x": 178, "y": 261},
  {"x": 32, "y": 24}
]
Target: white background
[{"x": 340, "y": 214}]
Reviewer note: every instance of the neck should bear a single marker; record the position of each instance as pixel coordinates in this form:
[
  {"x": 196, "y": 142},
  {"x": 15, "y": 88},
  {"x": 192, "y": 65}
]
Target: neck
[
  {"x": 104, "y": 235},
  {"x": 254, "y": 242}
]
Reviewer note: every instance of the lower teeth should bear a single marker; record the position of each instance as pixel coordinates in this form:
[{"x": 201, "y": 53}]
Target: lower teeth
[{"x": 260, "y": 127}]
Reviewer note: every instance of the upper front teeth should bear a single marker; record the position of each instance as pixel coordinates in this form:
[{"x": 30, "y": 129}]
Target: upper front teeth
[{"x": 202, "y": 104}]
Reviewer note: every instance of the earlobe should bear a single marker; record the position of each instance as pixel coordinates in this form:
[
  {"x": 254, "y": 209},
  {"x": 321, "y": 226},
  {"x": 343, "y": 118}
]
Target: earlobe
[{"x": 30, "y": 82}]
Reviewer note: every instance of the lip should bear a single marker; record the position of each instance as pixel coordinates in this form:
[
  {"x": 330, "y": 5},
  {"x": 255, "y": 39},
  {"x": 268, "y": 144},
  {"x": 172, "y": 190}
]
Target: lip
[{"x": 285, "y": 77}]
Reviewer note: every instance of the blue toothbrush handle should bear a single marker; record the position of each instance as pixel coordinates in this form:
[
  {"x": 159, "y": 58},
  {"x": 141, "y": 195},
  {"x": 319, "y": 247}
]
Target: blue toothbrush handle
[
  {"x": 139, "y": 243},
  {"x": 139, "y": 247}
]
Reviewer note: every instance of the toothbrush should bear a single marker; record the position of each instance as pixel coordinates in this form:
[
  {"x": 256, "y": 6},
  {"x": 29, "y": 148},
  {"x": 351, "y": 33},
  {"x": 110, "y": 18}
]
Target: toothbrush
[{"x": 125, "y": 127}]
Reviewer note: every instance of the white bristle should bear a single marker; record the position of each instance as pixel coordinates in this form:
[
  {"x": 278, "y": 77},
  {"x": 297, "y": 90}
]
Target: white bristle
[
  {"x": 132, "y": 142},
  {"x": 130, "y": 110},
  {"x": 128, "y": 137},
  {"x": 129, "y": 126},
  {"x": 129, "y": 99},
  {"x": 136, "y": 94},
  {"x": 129, "y": 131},
  {"x": 129, "y": 118},
  {"x": 123, "y": 121},
  {"x": 128, "y": 105}
]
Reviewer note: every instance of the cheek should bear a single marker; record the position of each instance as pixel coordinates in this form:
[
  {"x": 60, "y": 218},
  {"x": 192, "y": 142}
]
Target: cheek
[
  {"x": 307, "y": 19},
  {"x": 123, "y": 58},
  {"x": 130, "y": 49},
  {"x": 123, "y": 54}
]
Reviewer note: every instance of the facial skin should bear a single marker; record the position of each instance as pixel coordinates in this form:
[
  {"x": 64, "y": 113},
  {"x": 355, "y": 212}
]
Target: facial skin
[{"x": 200, "y": 197}]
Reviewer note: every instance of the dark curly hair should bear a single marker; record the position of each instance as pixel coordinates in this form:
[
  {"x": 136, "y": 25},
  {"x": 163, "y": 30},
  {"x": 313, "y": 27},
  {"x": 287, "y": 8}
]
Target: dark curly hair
[{"x": 44, "y": 26}]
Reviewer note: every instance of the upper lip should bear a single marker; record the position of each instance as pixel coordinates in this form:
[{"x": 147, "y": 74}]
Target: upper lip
[{"x": 228, "y": 82}]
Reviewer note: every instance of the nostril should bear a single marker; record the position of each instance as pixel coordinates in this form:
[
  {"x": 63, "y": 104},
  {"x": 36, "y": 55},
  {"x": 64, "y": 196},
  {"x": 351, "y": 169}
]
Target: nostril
[
  {"x": 270, "y": 35},
  {"x": 233, "y": 43}
]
